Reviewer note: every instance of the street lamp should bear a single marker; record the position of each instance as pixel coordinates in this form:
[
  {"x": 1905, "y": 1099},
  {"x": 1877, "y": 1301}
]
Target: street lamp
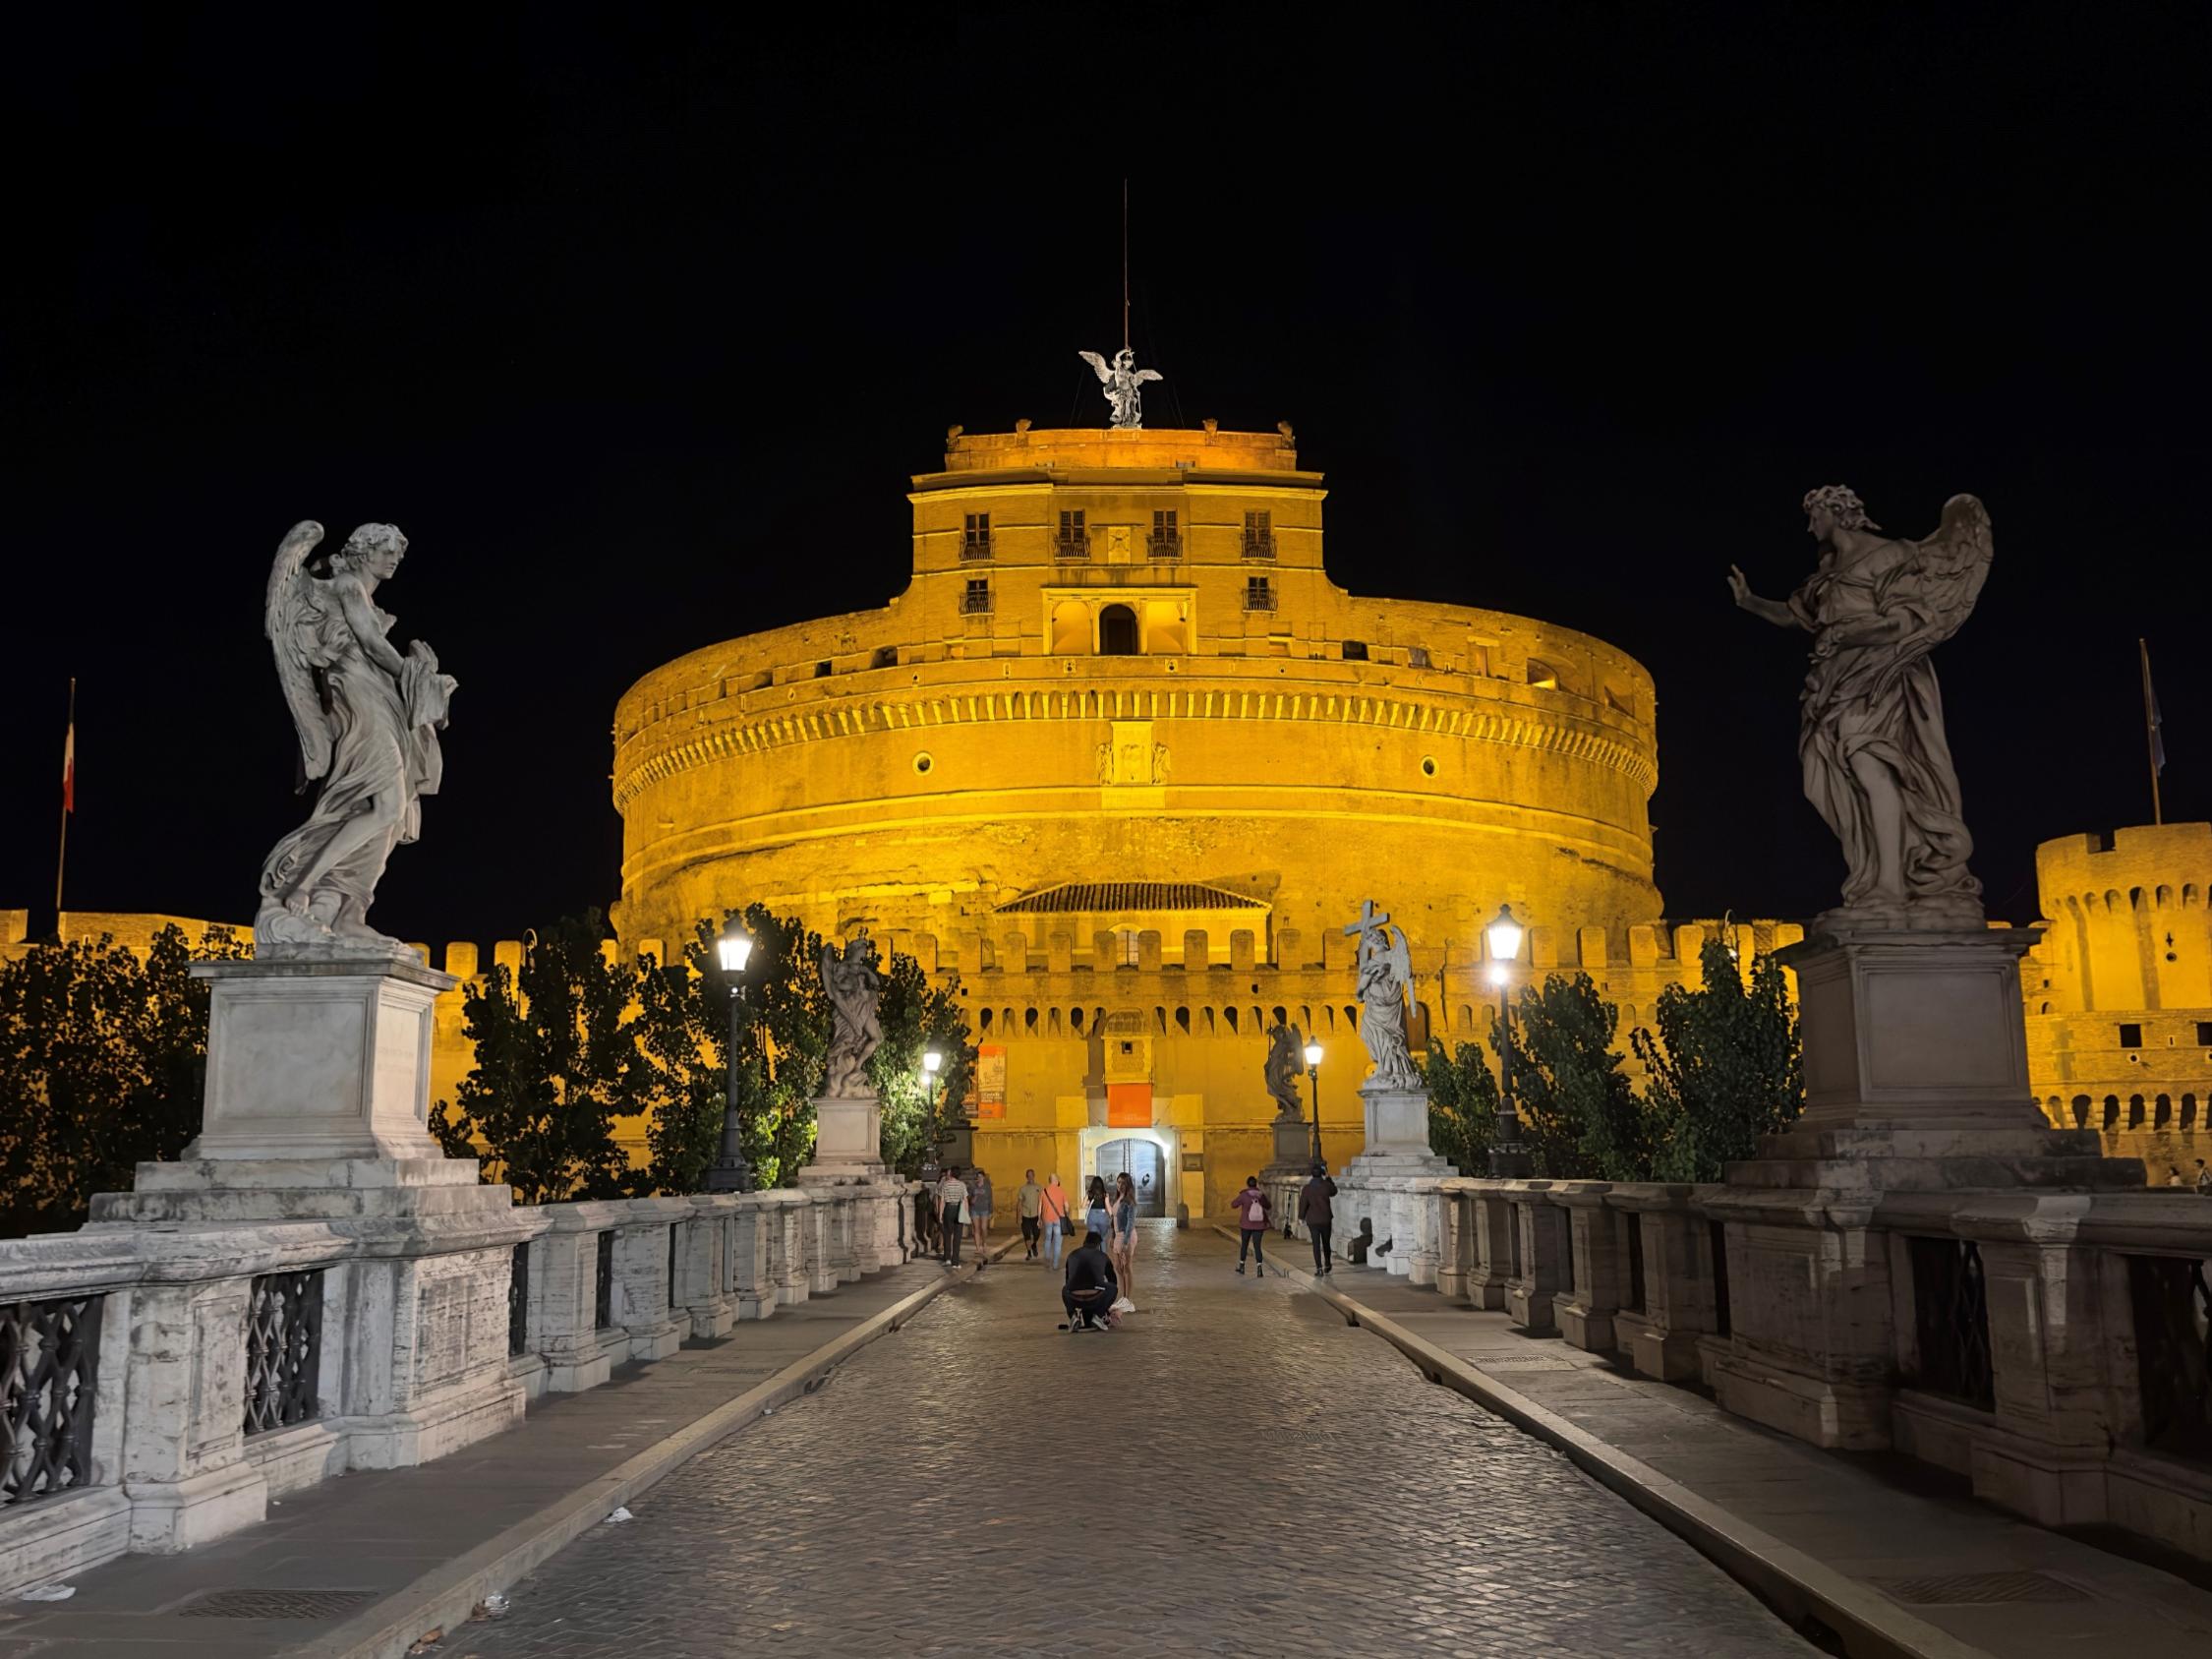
[
  {"x": 1509, "y": 1162},
  {"x": 1313, "y": 1076},
  {"x": 730, "y": 1172}
]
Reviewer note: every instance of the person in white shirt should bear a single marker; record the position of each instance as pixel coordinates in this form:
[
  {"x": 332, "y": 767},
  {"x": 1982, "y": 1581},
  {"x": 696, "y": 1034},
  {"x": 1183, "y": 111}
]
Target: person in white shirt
[{"x": 952, "y": 1205}]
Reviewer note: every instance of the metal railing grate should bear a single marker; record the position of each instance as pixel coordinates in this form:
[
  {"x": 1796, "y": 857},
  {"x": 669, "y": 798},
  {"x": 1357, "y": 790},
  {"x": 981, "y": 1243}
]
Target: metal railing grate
[
  {"x": 1951, "y": 1311},
  {"x": 49, "y": 1351},
  {"x": 602, "y": 1284},
  {"x": 283, "y": 1349},
  {"x": 2172, "y": 1299},
  {"x": 518, "y": 1302}
]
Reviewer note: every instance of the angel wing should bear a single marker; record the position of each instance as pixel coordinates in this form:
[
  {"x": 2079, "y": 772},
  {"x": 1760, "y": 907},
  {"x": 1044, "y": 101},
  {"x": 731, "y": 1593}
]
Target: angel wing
[
  {"x": 284, "y": 619},
  {"x": 1946, "y": 577},
  {"x": 1143, "y": 374},
  {"x": 1098, "y": 363}
]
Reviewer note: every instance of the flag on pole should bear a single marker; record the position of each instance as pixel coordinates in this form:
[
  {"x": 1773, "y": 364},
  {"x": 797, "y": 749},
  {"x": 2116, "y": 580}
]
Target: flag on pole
[
  {"x": 2157, "y": 722},
  {"x": 69, "y": 768}
]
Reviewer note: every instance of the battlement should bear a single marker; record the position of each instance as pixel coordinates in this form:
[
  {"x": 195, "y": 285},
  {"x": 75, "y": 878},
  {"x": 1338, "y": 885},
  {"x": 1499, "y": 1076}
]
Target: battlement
[
  {"x": 1110, "y": 448},
  {"x": 2161, "y": 862}
]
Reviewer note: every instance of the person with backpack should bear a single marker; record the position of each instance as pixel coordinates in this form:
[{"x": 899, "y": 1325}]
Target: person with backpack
[
  {"x": 1319, "y": 1217},
  {"x": 1251, "y": 1229},
  {"x": 1052, "y": 1210}
]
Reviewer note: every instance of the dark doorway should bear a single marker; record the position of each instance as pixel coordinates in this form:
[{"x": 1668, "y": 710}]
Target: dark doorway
[
  {"x": 1117, "y": 631},
  {"x": 1141, "y": 1160}
]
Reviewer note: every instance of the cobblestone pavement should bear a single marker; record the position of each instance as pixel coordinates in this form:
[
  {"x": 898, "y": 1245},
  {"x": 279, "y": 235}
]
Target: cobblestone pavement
[{"x": 1235, "y": 1471}]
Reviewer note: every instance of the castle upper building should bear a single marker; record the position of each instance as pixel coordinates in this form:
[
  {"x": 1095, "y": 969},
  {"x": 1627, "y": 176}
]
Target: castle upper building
[{"x": 1125, "y": 759}]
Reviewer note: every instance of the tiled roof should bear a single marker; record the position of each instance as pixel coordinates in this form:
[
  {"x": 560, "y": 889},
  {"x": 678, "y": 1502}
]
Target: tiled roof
[{"x": 1073, "y": 898}]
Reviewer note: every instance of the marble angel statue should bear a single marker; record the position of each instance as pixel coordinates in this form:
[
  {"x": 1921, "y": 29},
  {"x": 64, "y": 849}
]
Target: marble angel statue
[
  {"x": 368, "y": 720},
  {"x": 1286, "y": 1055},
  {"x": 1384, "y": 970},
  {"x": 1124, "y": 382},
  {"x": 856, "y": 991},
  {"x": 1870, "y": 739}
]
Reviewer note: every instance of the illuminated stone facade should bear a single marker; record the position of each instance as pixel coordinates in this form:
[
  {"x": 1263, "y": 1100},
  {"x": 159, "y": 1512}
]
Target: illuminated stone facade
[
  {"x": 1125, "y": 760},
  {"x": 2120, "y": 992}
]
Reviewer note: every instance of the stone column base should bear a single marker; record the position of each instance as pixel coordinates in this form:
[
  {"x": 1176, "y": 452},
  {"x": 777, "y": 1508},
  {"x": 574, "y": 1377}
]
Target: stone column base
[{"x": 171, "y": 1515}]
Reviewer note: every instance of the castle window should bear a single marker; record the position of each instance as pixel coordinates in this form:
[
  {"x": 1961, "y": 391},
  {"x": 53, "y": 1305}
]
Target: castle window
[
  {"x": 975, "y": 536},
  {"x": 1071, "y": 542},
  {"x": 976, "y": 601},
  {"x": 1167, "y": 536},
  {"x": 1259, "y": 535},
  {"x": 1416, "y": 656},
  {"x": 2081, "y": 1111},
  {"x": 1355, "y": 651},
  {"x": 2130, "y": 1036},
  {"x": 2162, "y": 1112},
  {"x": 1260, "y": 594},
  {"x": 887, "y": 656},
  {"x": 2134, "y": 1111},
  {"x": 2112, "y": 1111},
  {"x": 2205, "y": 1033},
  {"x": 1117, "y": 631},
  {"x": 822, "y": 668},
  {"x": 1125, "y": 948},
  {"x": 1542, "y": 674},
  {"x": 2189, "y": 1113}
]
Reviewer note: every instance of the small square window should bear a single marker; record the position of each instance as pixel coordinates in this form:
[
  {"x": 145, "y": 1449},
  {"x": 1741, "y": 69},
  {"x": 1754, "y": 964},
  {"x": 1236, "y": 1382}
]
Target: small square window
[
  {"x": 2130, "y": 1036},
  {"x": 887, "y": 656},
  {"x": 1163, "y": 522},
  {"x": 1072, "y": 524},
  {"x": 976, "y": 528},
  {"x": 822, "y": 668},
  {"x": 2205, "y": 1033},
  {"x": 979, "y": 595},
  {"x": 1416, "y": 656},
  {"x": 1355, "y": 651}
]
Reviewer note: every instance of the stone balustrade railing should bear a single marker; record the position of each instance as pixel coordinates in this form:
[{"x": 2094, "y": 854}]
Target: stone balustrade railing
[
  {"x": 2055, "y": 1346},
  {"x": 164, "y": 1384}
]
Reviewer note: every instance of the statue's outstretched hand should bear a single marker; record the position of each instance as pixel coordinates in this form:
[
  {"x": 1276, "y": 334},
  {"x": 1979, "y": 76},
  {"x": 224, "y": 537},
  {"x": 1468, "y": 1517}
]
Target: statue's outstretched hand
[{"x": 1739, "y": 587}]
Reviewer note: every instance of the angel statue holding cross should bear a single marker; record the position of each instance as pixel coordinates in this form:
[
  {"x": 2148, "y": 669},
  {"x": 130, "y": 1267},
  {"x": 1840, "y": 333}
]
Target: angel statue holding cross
[
  {"x": 1384, "y": 970},
  {"x": 1125, "y": 383}
]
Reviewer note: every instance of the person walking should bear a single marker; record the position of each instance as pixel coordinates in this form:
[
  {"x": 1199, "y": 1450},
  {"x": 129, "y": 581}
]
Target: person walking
[
  {"x": 1252, "y": 1228},
  {"x": 1318, "y": 1213},
  {"x": 2203, "y": 1180},
  {"x": 952, "y": 1202},
  {"x": 1124, "y": 1249},
  {"x": 926, "y": 1242},
  {"x": 1028, "y": 1203},
  {"x": 2172, "y": 1176},
  {"x": 1052, "y": 1211},
  {"x": 979, "y": 1214},
  {"x": 1099, "y": 1219}
]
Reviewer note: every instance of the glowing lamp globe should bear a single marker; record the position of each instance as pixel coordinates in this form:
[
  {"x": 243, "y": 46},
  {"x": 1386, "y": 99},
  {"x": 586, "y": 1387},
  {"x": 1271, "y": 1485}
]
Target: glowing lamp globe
[
  {"x": 932, "y": 1061},
  {"x": 1504, "y": 935},
  {"x": 733, "y": 947},
  {"x": 1312, "y": 1053}
]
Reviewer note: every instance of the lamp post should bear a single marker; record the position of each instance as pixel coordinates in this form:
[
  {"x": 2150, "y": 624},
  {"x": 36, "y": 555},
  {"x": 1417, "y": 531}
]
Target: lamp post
[
  {"x": 730, "y": 1172},
  {"x": 1313, "y": 1076},
  {"x": 932, "y": 1062},
  {"x": 1509, "y": 1160}
]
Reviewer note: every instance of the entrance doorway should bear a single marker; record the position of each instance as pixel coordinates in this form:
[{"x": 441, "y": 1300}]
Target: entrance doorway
[{"x": 1144, "y": 1166}]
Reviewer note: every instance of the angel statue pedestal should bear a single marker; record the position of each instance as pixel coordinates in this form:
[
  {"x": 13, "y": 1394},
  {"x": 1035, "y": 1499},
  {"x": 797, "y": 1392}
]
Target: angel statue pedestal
[{"x": 1887, "y": 1249}]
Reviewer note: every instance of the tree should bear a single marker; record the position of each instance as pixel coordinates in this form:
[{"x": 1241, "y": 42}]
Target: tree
[
  {"x": 557, "y": 1064},
  {"x": 1724, "y": 1068},
  {"x": 1462, "y": 1105},
  {"x": 102, "y": 1067},
  {"x": 1580, "y": 1119},
  {"x": 915, "y": 1018}
]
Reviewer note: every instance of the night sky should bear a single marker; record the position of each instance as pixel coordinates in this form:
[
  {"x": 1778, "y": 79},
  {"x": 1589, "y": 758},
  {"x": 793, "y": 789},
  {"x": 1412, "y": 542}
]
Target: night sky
[{"x": 637, "y": 327}]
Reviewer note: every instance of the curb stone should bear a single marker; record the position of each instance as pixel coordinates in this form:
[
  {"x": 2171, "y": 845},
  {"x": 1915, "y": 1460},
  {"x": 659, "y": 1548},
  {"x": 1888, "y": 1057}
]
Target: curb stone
[
  {"x": 443, "y": 1599},
  {"x": 1788, "y": 1580}
]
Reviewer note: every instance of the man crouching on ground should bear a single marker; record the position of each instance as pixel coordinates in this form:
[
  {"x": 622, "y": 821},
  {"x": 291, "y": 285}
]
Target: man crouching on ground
[{"x": 1089, "y": 1289}]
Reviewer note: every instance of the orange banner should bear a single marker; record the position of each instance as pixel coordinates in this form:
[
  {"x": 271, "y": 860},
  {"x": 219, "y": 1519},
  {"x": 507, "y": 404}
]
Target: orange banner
[{"x": 1128, "y": 1106}]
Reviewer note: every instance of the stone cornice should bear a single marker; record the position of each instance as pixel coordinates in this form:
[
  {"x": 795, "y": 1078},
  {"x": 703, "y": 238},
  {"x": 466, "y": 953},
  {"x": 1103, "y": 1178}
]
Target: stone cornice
[{"x": 1511, "y": 724}]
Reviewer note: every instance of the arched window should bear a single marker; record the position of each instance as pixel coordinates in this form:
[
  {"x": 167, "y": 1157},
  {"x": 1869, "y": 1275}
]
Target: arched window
[
  {"x": 2134, "y": 1111},
  {"x": 1125, "y": 947},
  {"x": 2081, "y": 1111},
  {"x": 2189, "y": 1113},
  {"x": 2162, "y": 1112},
  {"x": 1117, "y": 631},
  {"x": 1183, "y": 1020},
  {"x": 2112, "y": 1111}
]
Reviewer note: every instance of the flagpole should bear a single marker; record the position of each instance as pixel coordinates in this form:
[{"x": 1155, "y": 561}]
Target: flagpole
[
  {"x": 61, "y": 857},
  {"x": 2150, "y": 731}
]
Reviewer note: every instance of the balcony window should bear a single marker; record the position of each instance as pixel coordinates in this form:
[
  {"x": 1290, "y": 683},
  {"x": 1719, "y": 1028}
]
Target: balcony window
[
  {"x": 1260, "y": 594},
  {"x": 1073, "y": 540},
  {"x": 1167, "y": 536},
  {"x": 1259, "y": 535},
  {"x": 1117, "y": 631},
  {"x": 975, "y": 536},
  {"x": 976, "y": 601}
]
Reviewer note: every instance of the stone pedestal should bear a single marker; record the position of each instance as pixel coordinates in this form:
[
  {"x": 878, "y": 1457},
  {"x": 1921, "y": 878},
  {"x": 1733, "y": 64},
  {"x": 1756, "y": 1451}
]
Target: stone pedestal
[
  {"x": 1294, "y": 1151},
  {"x": 1916, "y": 1083},
  {"x": 848, "y": 1141},
  {"x": 1397, "y": 1130},
  {"x": 317, "y": 1110}
]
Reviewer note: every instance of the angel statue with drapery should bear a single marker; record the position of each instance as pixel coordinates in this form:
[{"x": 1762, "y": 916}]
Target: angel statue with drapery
[
  {"x": 368, "y": 720},
  {"x": 1871, "y": 737},
  {"x": 1383, "y": 969},
  {"x": 855, "y": 992},
  {"x": 1286, "y": 1053},
  {"x": 1123, "y": 381}
]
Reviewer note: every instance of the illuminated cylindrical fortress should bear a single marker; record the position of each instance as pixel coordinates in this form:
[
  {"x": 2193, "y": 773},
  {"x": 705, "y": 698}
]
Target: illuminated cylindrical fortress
[{"x": 1122, "y": 731}]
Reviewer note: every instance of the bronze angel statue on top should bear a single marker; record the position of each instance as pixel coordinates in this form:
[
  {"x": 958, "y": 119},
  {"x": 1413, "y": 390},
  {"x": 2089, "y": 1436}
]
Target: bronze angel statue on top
[
  {"x": 1124, "y": 382},
  {"x": 368, "y": 720},
  {"x": 1876, "y": 765}
]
